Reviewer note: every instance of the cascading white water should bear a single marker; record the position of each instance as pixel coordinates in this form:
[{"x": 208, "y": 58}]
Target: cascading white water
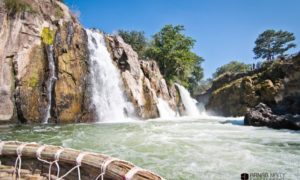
[
  {"x": 188, "y": 102},
  {"x": 50, "y": 82},
  {"x": 164, "y": 109},
  {"x": 107, "y": 95}
]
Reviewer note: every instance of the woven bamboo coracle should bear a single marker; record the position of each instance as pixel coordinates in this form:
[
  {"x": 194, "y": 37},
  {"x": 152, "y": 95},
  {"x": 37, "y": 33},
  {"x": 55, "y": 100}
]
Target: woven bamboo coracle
[{"x": 20, "y": 160}]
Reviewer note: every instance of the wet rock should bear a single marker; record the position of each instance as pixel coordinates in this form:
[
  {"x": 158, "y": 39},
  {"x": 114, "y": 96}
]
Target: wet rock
[
  {"x": 31, "y": 92},
  {"x": 262, "y": 115}
]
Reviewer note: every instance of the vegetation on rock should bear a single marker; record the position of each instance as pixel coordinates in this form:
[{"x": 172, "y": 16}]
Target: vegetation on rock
[
  {"x": 232, "y": 67},
  {"x": 136, "y": 39},
  {"x": 48, "y": 36},
  {"x": 34, "y": 80},
  {"x": 271, "y": 43},
  {"x": 59, "y": 13},
  {"x": 15, "y": 6}
]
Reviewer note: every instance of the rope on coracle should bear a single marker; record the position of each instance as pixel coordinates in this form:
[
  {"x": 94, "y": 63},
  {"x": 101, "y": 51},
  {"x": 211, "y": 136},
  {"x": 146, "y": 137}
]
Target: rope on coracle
[
  {"x": 78, "y": 164},
  {"x": 104, "y": 167},
  {"x": 18, "y": 162},
  {"x": 132, "y": 172},
  {"x": 1, "y": 146},
  {"x": 56, "y": 159},
  {"x": 129, "y": 175}
]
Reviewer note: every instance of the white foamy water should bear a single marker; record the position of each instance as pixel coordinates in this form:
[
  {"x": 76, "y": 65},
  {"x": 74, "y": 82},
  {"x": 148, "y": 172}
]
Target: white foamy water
[
  {"x": 180, "y": 148},
  {"x": 107, "y": 97},
  {"x": 188, "y": 102},
  {"x": 164, "y": 109}
]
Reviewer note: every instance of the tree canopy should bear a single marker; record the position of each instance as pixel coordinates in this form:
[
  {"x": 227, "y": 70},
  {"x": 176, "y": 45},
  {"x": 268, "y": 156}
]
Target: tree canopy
[
  {"x": 271, "y": 43},
  {"x": 232, "y": 67},
  {"x": 172, "y": 51},
  {"x": 136, "y": 39}
]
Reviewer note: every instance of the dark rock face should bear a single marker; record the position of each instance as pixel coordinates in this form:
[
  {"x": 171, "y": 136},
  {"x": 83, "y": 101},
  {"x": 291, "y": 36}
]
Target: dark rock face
[{"x": 262, "y": 115}]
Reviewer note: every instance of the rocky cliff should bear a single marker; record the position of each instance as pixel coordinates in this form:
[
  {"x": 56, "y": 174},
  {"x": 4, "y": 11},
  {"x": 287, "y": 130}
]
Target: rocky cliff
[
  {"x": 44, "y": 67},
  {"x": 30, "y": 38},
  {"x": 142, "y": 79},
  {"x": 277, "y": 84}
]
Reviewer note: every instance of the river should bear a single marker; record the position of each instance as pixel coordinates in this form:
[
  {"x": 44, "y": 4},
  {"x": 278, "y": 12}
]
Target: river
[{"x": 201, "y": 147}]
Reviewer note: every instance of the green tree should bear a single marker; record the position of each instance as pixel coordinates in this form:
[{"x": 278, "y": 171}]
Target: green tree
[
  {"x": 232, "y": 67},
  {"x": 172, "y": 50},
  {"x": 272, "y": 43},
  {"x": 136, "y": 39}
]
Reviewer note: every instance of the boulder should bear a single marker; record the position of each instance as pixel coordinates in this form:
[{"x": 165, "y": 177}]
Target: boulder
[{"x": 262, "y": 115}]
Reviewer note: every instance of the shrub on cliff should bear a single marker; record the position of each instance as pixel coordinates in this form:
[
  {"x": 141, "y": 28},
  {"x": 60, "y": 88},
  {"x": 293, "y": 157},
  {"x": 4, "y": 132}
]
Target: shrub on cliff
[
  {"x": 172, "y": 51},
  {"x": 271, "y": 43},
  {"x": 15, "y": 6},
  {"x": 232, "y": 67},
  {"x": 136, "y": 39}
]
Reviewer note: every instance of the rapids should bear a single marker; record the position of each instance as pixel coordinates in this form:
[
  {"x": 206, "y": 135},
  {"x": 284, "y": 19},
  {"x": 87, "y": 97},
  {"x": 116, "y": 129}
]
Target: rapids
[{"x": 201, "y": 147}]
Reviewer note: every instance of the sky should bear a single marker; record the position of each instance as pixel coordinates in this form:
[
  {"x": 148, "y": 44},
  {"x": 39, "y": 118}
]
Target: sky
[{"x": 224, "y": 30}]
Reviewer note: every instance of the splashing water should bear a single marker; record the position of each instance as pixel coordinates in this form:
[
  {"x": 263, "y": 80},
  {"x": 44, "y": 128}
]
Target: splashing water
[
  {"x": 164, "y": 109},
  {"x": 107, "y": 97},
  {"x": 188, "y": 102}
]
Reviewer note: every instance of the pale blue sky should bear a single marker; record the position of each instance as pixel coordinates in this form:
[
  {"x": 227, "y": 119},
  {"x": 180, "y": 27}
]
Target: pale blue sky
[{"x": 225, "y": 30}]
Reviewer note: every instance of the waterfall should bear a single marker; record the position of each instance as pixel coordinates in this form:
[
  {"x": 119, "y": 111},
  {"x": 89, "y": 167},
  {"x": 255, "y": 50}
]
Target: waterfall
[
  {"x": 50, "y": 82},
  {"x": 107, "y": 95},
  {"x": 164, "y": 109},
  {"x": 188, "y": 102}
]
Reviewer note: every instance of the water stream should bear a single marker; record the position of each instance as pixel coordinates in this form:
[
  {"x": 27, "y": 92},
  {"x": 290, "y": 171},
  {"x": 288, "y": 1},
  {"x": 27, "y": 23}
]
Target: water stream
[
  {"x": 188, "y": 102},
  {"x": 50, "y": 82},
  {"x": 164, "y": 109}
]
